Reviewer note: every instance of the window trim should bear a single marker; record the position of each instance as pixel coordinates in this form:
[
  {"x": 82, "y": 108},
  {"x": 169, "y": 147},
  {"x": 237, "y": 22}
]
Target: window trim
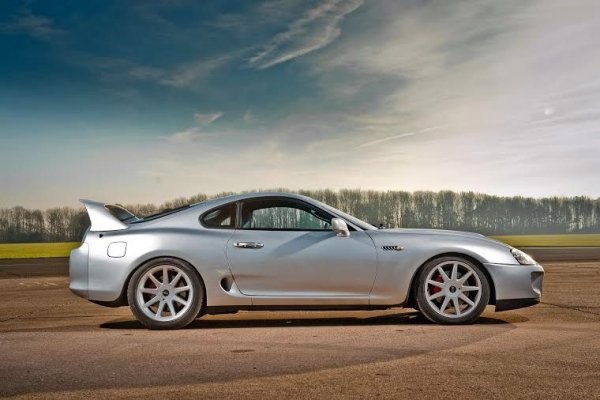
[
  {"x": 289, "y": 199},
  {"x": 238, "y": 215}
]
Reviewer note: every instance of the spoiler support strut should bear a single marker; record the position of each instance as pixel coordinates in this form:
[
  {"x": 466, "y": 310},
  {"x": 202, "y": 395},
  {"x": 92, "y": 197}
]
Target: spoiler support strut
[{"x": 101, "y": 218}]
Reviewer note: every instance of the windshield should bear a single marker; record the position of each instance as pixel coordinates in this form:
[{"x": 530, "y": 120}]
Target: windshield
[{"x": 361, "y": 224}]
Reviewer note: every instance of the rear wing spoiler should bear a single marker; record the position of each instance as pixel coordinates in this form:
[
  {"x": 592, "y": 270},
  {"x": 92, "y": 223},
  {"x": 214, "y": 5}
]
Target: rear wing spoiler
[{"x": 107, "y": 217}]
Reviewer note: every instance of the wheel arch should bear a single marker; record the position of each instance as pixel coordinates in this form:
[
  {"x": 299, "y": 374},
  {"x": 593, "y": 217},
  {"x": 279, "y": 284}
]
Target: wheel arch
[
  {"x": 122, "y": 299},
  {"x": 411, "y": 296}
]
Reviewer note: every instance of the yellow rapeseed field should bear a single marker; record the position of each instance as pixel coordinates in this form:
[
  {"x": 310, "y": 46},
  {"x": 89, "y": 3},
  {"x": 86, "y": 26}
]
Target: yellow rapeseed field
[
  {"x": 551, "y": 240},
  {"x": 36, "y": 250}
]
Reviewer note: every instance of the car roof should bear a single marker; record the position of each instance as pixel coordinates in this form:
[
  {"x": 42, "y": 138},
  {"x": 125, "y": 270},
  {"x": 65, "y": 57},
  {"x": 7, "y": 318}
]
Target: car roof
[
  {"x": 251, "y": 195},
  {"x": 216, "y": 202},
  {"x": 212, "y": 203}
]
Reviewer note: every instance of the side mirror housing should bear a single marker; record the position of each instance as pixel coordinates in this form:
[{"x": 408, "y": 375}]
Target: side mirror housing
[{"x": 340, "y": 227}]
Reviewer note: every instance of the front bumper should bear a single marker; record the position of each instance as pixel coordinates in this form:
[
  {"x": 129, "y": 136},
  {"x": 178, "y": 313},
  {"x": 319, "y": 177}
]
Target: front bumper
[
  {"x": 512, "y": 304},
  {"x": 516, "y": 285}
]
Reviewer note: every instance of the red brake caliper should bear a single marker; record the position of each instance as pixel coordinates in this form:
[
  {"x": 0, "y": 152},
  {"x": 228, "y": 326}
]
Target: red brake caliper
[{"x": 438, "y": 278}]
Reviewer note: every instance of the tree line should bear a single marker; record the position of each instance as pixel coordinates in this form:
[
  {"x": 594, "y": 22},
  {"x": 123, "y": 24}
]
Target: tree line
[{"x": 469, "y": 211}]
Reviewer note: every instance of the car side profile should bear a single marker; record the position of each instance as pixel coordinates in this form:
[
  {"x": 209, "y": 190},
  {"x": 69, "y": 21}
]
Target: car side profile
[{"x": 280, "y": 251}]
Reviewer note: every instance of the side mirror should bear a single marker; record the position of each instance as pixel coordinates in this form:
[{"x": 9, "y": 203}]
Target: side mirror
[{"x": 340, "y": 227}]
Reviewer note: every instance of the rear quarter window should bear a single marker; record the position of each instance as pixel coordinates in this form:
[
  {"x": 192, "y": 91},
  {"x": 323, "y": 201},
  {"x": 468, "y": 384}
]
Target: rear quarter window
[{"x": 222, "y": 217}]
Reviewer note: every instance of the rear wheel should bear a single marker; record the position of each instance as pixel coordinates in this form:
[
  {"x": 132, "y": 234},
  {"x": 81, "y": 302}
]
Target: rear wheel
[
  {"x": 165, "y": 293},
  {"x": 452, "y": 290}
]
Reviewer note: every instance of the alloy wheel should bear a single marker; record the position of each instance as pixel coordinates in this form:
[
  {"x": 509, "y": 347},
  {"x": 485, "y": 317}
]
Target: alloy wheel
[
  {"x": 453, "y": 289},
  {"x": 164, "y": 293}
]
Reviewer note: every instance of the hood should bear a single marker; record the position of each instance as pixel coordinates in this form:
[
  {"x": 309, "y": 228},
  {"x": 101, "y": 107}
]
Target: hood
[{"x": 441, "y": 232}]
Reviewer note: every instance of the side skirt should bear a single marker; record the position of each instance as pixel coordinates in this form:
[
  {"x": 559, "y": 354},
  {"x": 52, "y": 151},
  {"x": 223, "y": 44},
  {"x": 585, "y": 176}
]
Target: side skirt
[{"x": 213, "y": 310}]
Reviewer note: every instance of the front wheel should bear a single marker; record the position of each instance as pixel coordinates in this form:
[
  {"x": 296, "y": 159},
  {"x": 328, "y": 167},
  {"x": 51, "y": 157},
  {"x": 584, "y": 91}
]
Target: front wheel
[
  {"x": 452, "y": 290},
  {"x": 165, "y": 293}
]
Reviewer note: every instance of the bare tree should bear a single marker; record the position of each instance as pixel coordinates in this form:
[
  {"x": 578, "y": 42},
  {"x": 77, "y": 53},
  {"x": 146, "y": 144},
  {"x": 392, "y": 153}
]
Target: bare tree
[{"x": 448, "y": 210}]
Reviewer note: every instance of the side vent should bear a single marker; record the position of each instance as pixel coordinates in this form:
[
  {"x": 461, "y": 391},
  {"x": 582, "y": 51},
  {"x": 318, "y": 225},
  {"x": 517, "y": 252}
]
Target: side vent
[
  {"x": 392, "y": 247},
  {"x": 227, "y": 283}
]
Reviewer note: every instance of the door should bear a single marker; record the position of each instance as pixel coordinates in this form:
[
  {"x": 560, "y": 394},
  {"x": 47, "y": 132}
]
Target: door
[{"x": 285, "y": 248}]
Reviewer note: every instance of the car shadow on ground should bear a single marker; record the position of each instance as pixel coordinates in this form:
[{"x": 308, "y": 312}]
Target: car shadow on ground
[{"x": 404, "y": 318}]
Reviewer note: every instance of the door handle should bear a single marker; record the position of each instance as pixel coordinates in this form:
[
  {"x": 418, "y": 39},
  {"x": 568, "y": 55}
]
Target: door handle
[{"x": 249, "y": 245}]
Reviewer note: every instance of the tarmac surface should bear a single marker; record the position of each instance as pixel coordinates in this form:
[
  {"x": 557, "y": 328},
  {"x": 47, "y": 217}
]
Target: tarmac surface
[{"x": 54, "y": 344}]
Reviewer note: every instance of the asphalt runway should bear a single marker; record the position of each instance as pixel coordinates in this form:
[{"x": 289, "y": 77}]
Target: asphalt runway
[{"x": 54, "y": 344}]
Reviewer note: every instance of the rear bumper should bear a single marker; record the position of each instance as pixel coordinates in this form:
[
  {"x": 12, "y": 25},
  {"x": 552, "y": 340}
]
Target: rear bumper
[
  {"x": 516, "y": 285},
  {"x": 79, "y": 271}
]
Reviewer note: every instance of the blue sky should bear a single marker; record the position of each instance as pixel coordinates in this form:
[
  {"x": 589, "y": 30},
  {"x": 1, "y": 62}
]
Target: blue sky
[{"x": 148, "y": 101}]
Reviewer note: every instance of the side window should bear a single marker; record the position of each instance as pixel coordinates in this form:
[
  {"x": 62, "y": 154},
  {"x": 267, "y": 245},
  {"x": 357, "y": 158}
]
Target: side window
[
  {"x": 281, "y": 214},
  {"x": 223, "y": 217}
]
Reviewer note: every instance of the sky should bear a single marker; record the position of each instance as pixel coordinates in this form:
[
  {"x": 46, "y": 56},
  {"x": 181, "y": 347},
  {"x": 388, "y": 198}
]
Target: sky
[{"x": 143, "y": 102}]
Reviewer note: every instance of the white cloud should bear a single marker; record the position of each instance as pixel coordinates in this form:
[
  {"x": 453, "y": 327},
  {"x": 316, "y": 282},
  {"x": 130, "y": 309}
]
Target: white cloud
[
  {"x": 207, "y": 118},
  {"x": 483, "y": 75},
  {"x": 37, "y": 26},
  {"x": 185, "y": 76},
  {"x": 187, "y": 136},
  {"x": 512, "y": 88},
  {"x": 385, "y": 139},
  {"x": 512, "y": 85},
  {"x": 145, "y": 73},
  {"x": 315, "y": 30},
  {"x": 188, "y": 74}
]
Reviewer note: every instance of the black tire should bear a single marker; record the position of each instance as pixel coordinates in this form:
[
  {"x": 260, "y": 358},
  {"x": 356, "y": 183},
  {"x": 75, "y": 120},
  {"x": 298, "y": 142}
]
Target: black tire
[
  {"x": 197, "y": 299},
  {"x": 433, "y": 314}
]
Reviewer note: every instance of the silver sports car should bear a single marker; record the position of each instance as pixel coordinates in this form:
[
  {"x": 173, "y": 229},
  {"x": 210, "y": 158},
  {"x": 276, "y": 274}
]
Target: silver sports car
[{"x": 279, "y": 251}]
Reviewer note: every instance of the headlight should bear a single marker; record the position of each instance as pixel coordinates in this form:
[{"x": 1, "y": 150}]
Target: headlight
[{"x": 522, "y": 257}]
